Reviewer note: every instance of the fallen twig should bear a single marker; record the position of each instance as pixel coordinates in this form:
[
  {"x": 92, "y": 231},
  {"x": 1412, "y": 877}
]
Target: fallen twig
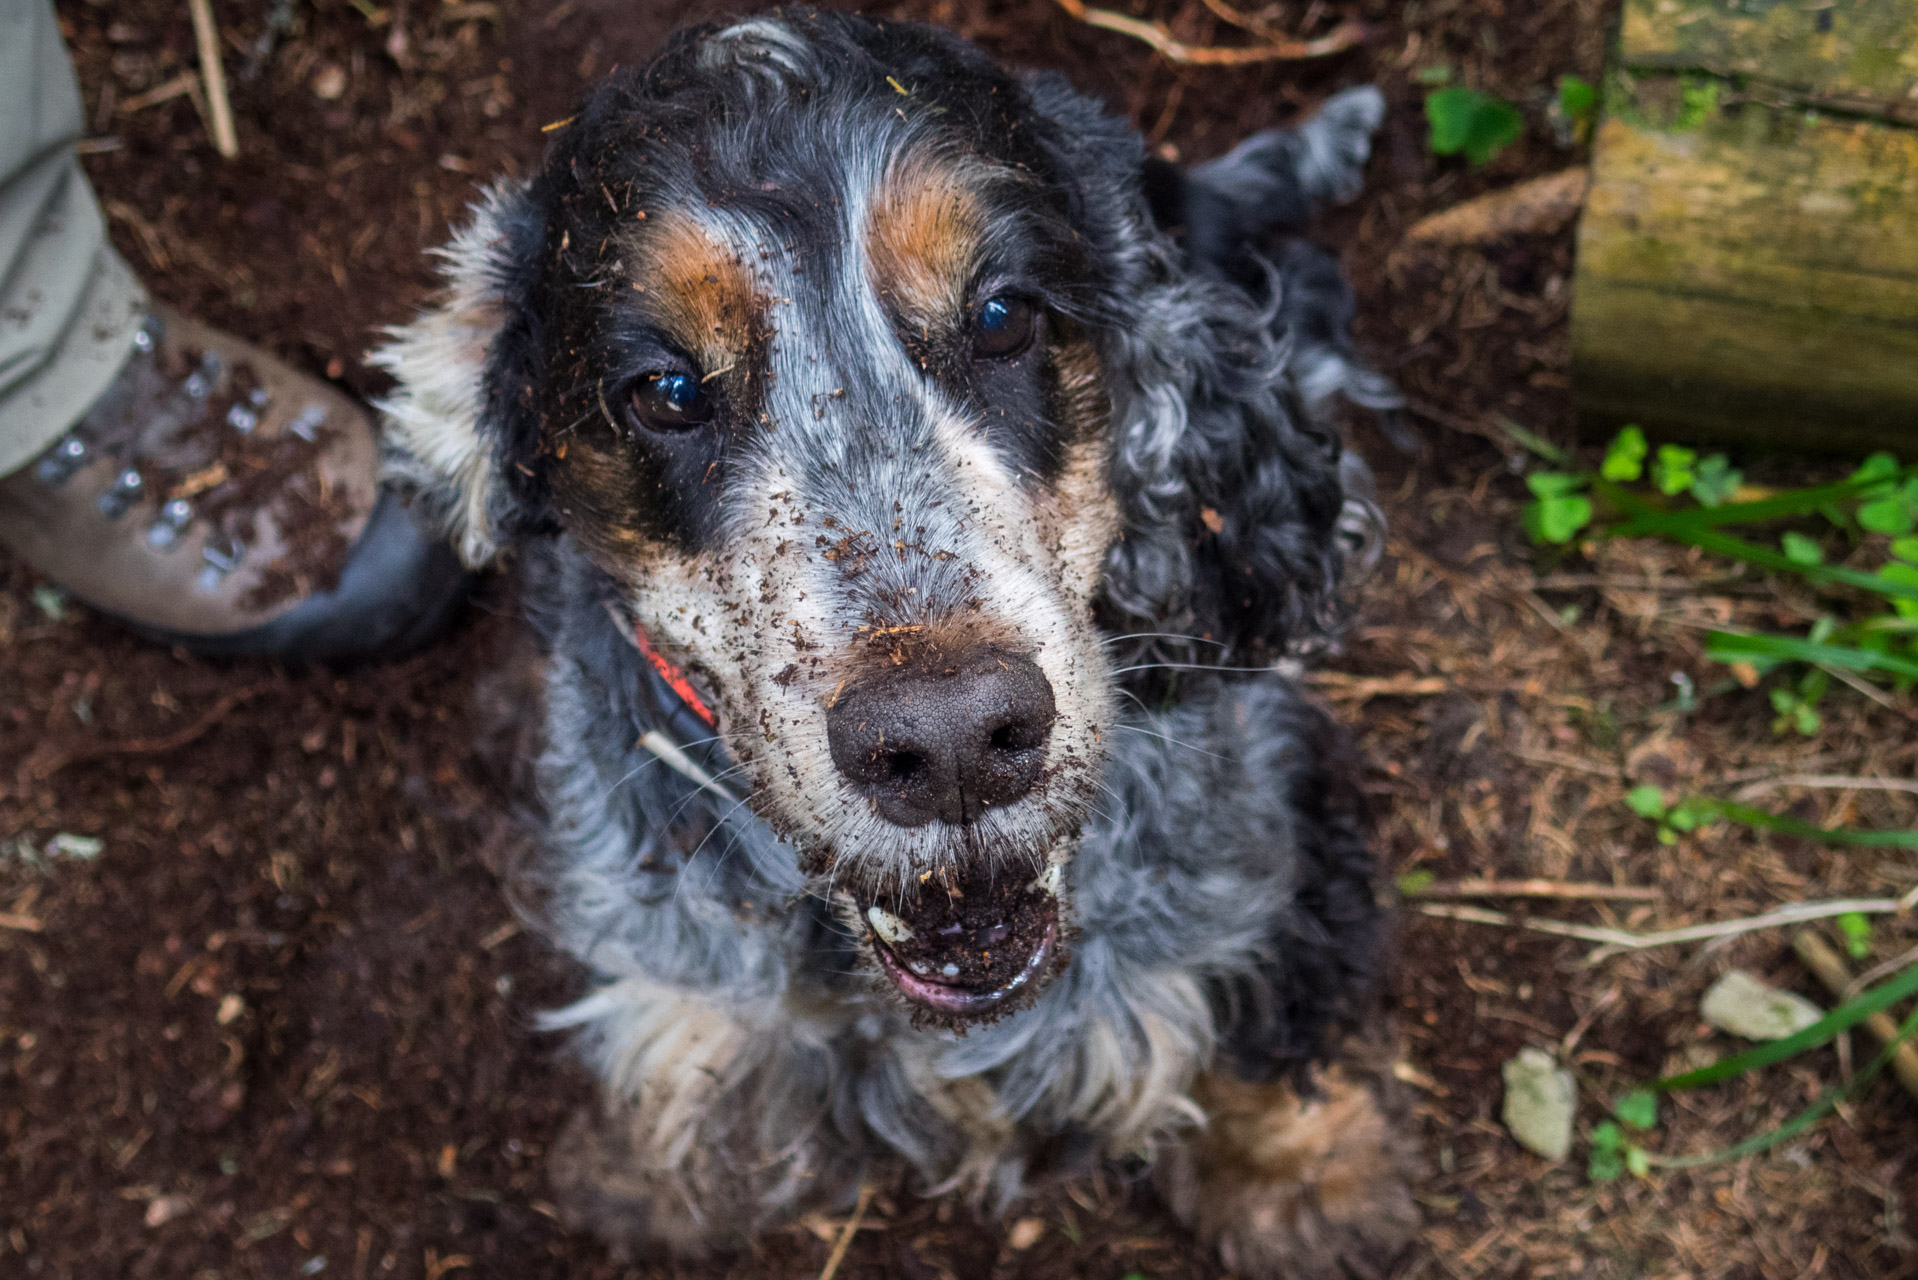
[
  {"x": 27, "y": 924},
  {"x": 1830, "y": 968},
  {"x": 845, "y": 1237},
  {"x": 1537, "y": 889},
  {"x": 39, "y": 768},
  {"x": 185, "y": 82},
  {"x": 1337, "y": 684},
  {"x": 1831, "y": 781},
  {"x": 1342, "y": 37},
  {"x": 207, "y": 36},
  {"x": 1614, "y": 941}
]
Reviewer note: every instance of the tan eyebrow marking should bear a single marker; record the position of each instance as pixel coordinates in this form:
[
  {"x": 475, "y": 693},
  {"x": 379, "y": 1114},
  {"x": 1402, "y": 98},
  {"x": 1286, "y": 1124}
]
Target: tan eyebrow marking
[
  {"x": 922, "y": 238},
  {"x": 698, "y": 284}
]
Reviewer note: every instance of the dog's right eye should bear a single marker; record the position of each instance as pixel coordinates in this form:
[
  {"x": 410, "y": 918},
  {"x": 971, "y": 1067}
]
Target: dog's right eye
[{"x": 670, "y": 402}]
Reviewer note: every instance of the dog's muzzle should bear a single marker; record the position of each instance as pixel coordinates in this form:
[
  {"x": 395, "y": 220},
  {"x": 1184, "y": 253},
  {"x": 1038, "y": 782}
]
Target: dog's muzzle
[{"x": 946, "y": 735}]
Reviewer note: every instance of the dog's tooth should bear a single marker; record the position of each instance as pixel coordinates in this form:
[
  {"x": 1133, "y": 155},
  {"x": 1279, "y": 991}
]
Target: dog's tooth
[
  {"x": 917, "y": 968},
  {"x": 888, "y": 926},
  {"x": 1048, "y": 881},
  {"x": 949, "y": 969}
]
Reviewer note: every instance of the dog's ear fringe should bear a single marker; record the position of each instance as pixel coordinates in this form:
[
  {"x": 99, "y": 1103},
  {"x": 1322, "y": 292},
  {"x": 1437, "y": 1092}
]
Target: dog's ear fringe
[
  {"x": 1226, "y": 458},
  {"x": 436, "y": 445}
]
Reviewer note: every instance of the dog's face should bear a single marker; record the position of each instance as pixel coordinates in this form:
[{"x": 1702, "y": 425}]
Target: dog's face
[{"x": 802, "y": 345}]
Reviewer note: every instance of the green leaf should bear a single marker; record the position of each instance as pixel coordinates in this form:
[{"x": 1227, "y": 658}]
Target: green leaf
[
  {"x": 1554, "y": 484},
  {"x": 1606, "y": 1163},
  {"x": 1715, "y": 480},
  {"x": 1857, "y": 930},
  {"x": 1905, "y": 549},
  {"x": 1439, "y": 73},
  {"x": 1900, "y": 573},
  {"x": 1886, "y": 515},
  {"x": 1625, "y": 458},
  {"x": 1465, "y": 121},
  {"x": 1413, "y": 883},
  {"x": 1557, "y": 520},
  {"x": 1637, "y": 1109},
  {"x": 1577, "y": 99},
  {"x": 1672, "y": 469},
  {"x": 1646, "y": 802},
  {"x": 1879, "y": 466},
  {"x": 1802, "y": 550},
  {"x": 1637, "y": 1163}
]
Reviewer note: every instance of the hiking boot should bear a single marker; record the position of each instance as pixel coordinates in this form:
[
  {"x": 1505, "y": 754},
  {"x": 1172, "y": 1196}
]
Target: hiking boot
[{"x": 216, "y": 498}]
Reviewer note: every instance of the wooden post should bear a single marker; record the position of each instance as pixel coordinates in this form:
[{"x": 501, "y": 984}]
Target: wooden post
[{"x": 1748, "y": 255}]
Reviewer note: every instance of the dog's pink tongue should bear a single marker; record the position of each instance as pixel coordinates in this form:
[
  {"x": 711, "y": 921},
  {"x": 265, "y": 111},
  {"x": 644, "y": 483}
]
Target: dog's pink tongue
[{"x": 961, "y": 947}]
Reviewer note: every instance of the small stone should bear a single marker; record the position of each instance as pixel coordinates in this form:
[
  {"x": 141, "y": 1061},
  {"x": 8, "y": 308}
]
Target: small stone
[
  {"x": 164, "y": 1209},
  {"x": 330, "y": 83},
  {"x": 1540, "y": 1098},
  {"x": 1744, "y": 1006},
  {"x": 1025, "y": 1233},
  {"x": 68, "y": 845},
  {"x": 232, "y": 1005}
]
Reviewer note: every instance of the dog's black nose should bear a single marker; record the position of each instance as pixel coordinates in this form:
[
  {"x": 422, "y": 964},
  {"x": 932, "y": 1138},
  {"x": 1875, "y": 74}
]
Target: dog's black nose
[{"x": 945, "y": 735}]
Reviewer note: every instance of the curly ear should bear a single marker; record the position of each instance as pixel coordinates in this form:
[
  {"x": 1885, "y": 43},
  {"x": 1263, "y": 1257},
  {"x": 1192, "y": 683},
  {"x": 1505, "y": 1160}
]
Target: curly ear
[
  {"x": 466, "y": 369},
  {"x": 1239, "y": 507},
  {"x": 1229, "y": 488}
]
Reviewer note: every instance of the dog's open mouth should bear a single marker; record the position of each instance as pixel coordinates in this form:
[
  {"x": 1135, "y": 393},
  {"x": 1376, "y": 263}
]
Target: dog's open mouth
[{"x": 963, "y": 947}]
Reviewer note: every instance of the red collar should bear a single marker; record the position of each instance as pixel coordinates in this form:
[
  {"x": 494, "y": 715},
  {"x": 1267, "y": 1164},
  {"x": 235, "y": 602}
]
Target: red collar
[{"x": 674, "y": 677}]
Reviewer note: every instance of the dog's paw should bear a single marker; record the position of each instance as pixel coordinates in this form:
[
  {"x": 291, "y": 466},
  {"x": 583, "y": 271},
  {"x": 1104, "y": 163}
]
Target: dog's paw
[
  {"x": 640, "y": 1212},
  {"x": 1295, "y": 1187}
]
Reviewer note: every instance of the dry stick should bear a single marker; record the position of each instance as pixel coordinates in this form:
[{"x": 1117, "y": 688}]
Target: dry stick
[
  {"x": 1538, "y": 889},
  {"x": 845, "y": 1237},
  {"x": 1159, "y": 36},
  {"x": 1617, "y": 940},
  {"x": 1834, "y": 781},
  {"x": 185, "y": 82},
  {"x": 26, "y": 923},
  {"x": 1831, "y": 970},
  {"x": 208, "y": 37}
]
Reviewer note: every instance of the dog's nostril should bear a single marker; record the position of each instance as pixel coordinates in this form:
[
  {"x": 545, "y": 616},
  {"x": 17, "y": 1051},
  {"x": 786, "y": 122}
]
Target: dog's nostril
[
  {"x": 948, "y": 736},
  {"x": 903, "y": 766}
]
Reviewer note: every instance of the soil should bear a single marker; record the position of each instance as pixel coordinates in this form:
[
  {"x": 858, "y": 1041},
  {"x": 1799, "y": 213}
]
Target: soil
[{"x": 280, "y": 1022}]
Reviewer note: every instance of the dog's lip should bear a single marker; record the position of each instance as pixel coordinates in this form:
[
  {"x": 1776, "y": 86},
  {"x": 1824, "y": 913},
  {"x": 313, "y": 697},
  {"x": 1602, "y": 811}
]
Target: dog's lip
[{"x": 946, "y": 998}]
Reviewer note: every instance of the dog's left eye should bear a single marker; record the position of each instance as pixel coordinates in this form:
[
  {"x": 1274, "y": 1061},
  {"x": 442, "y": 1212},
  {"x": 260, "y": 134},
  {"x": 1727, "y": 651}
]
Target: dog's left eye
[
  {"x": 1003, "y": 327},
  {"x": 671, "y": 402}
]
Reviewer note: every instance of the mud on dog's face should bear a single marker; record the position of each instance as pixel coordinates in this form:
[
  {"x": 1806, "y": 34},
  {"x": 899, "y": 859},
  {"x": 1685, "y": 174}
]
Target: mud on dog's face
[{"x": 801, "y": 373}]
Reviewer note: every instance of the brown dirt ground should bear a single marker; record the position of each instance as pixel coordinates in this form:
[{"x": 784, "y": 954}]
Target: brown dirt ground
[{"x": 280, "y": 1026}]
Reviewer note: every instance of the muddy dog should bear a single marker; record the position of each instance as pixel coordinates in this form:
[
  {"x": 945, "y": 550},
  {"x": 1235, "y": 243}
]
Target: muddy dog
[{"x": 916, "y": 486}]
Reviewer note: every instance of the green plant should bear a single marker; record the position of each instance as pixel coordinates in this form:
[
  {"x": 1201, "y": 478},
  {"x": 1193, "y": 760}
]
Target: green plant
[
  {"x": 1873, "y": 628},
  {"x": 1469, "y": 123},
  {"x": 1692, "y": 812},
  {"x": 1614, "y": 1151},
  {"x": 1577, "y": 107}
]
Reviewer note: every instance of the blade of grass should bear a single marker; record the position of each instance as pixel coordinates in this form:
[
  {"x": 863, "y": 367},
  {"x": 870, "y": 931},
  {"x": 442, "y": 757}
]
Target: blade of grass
[
  {"x": 1843, "y": 1018},
  {"x": 1724, "y": 544},
  {"x": 1648, "y": 519},
  {"x": 1729, "y": 646},
  {"x": 1804, "y": 1120},
  {"x": 1765, "y": 820}
]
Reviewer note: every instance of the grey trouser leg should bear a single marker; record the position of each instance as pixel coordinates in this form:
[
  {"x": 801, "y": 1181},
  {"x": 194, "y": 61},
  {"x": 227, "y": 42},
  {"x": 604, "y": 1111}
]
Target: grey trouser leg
[{"x": 69, "y": 306}]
